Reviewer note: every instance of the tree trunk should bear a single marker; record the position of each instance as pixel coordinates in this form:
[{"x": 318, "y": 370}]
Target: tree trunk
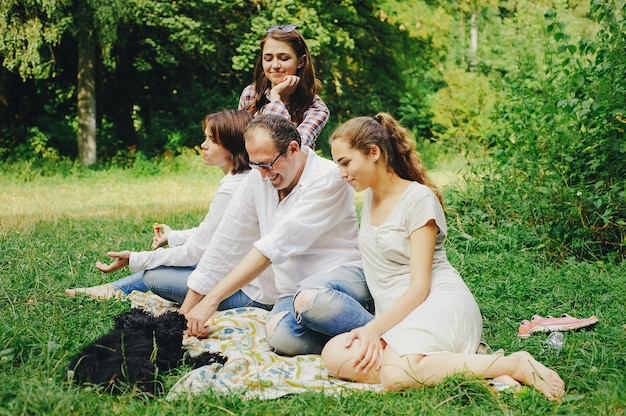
[
  {"x": 473, "y": 47},
  {"x": 5, "y": 86},
  {"x": 86, "y": 98}
]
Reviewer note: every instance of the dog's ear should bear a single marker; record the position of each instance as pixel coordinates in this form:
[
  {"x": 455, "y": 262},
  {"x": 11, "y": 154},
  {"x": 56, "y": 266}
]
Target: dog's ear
[
  {"x": 168, "y": 331},
  {"x": 170, "y": 321},
  {"x": 135, "y": 318}
]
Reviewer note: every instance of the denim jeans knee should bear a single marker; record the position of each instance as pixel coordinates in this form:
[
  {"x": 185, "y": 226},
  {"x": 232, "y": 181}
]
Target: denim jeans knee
[
  {"x": 168, "y": 282},
  {"x": 289, "y": 336},
  {"x": 347, "y": 280},
  {"x": 342, "y": 302}
]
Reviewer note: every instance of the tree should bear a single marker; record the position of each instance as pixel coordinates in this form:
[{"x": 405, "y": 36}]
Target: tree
[
  {"x": 29, "y": 32},
  {"x": 86, "y": 92},
  {"x": 473, "y": 8}
]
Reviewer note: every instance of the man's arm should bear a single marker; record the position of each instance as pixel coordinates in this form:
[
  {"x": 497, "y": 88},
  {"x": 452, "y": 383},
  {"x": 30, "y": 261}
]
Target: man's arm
[
  {"x": 191, "y": 299},
  {"x": 243, "y": 273}
]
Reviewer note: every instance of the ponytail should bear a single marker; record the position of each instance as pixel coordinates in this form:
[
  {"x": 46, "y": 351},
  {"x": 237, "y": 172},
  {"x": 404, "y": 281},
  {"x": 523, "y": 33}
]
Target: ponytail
[{"x": 396, "y": 146}]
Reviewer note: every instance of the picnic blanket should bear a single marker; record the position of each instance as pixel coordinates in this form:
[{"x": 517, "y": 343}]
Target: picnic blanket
[{"x": 252, "y": 371}]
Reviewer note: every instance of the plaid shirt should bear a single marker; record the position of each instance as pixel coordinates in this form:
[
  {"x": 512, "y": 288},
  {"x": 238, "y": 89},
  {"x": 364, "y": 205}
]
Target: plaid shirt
[{"x": 315, "y": 117}]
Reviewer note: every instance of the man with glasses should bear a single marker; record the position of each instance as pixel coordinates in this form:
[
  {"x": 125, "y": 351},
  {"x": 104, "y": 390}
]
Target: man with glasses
[{"x": 301, "y": 215}]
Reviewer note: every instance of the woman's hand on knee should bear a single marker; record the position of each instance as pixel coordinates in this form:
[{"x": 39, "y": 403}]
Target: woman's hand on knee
[{"x": 369, "y": 351}]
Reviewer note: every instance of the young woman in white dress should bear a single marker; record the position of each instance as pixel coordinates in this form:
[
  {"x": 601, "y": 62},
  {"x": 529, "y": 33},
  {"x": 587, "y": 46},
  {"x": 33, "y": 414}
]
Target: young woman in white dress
[{"x": 427, "y": 323}]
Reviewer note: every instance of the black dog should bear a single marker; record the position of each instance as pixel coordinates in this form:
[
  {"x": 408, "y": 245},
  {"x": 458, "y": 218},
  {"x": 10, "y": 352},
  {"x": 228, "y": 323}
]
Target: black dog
[{"x": 135, "y": 352}]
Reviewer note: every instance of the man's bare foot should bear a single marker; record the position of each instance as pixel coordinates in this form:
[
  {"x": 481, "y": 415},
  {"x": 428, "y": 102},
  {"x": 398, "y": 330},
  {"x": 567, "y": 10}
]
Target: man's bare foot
[
  {"x": 105, "y": 291},
  {"x": 532, "y": 372}
]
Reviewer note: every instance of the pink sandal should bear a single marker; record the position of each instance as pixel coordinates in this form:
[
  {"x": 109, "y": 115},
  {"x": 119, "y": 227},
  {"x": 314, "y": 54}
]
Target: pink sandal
[{"x": 550, "y": 324}]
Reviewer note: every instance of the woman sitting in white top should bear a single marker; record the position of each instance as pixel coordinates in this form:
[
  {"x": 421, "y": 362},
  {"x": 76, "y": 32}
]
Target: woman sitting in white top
[
  {"x": 165, "y": 271},
  {"x": 427, "y": 324}
]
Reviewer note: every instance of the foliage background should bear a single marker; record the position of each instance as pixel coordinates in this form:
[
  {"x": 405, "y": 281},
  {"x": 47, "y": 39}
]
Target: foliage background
[{"x": 536, "y": 105}]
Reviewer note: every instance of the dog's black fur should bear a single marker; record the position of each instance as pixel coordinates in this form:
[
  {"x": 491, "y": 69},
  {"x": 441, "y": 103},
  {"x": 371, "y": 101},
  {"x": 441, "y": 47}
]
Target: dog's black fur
[{"x": 139, "y": 348}]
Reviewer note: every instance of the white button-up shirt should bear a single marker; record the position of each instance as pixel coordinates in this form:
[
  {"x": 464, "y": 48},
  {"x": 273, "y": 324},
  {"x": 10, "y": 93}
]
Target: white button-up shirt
[{"x": 311, "y": 230}]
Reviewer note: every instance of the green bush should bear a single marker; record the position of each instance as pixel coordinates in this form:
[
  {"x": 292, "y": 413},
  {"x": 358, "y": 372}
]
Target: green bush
[{"x": 557, "y": 157}]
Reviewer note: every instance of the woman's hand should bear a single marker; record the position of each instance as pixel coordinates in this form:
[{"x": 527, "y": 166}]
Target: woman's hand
[
  {"x": 122, "y": 259},
  {"x": 283, "y": 90},
  {"x": 370, "y": 353},
  {"x": 161, "y": 231}
]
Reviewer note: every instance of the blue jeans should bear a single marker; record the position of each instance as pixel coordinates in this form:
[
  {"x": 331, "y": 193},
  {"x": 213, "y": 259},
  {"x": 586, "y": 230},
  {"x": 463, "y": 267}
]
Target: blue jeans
[
  {"x": 129, "y": 283},
  {"x": 240, "y": 300},
  {"x": 343, "y": 302},
  {"x": 171, "y": 283},
  {"x": 168, "y": 282}
]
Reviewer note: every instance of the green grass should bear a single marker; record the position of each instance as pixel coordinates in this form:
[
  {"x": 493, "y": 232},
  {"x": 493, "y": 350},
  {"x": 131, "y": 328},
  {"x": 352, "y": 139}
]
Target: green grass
[{"x": 53, "y": 229}]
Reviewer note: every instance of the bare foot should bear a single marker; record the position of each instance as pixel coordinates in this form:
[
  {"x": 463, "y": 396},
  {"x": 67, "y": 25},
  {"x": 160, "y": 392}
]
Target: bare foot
[
  {"x": 105, "y": 291},
  {"x": 532, "y": 372}
]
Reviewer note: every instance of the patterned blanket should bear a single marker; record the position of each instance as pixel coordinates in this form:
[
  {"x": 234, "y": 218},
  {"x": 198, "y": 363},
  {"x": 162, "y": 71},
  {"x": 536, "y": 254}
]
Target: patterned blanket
[{"x": 252, "y": 369}]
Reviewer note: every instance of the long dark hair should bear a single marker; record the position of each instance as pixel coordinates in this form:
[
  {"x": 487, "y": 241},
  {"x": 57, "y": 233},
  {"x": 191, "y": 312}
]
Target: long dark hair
[
  {"x": 227, "y": 127},
  {"x": 397, "y": 149},
  {"x": 309, "y": 85}
]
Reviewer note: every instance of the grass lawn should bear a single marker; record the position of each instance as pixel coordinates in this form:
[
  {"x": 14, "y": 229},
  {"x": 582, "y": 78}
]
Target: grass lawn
[{"x": 52, "y": 231}]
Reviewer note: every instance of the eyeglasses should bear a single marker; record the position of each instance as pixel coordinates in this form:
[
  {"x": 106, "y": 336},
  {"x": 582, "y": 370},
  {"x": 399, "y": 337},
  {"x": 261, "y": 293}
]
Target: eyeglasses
[
  {"x": 286, "y": 28},
  {"x": 266, "y": 166}
]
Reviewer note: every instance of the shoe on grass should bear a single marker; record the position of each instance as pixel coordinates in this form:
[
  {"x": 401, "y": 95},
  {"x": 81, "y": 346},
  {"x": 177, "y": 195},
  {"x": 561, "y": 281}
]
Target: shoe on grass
[{"x": 549, "y": 324}]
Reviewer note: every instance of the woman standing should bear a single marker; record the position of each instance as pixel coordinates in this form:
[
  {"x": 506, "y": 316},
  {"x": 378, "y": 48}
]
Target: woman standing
[
  {"x": 285, "y": 83},
  {"x": 427, "y": 324}
]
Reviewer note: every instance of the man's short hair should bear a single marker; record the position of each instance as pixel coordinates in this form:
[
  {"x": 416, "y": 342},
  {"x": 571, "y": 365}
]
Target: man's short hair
[{"x": 280, "y": 129}]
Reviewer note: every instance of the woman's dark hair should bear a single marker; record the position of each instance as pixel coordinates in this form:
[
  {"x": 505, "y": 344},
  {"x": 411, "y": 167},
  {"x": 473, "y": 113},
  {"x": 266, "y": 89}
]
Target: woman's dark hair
[
  {"x": 309, "y": 85},
  {"x": 227, "y": 127},
  {"x": 397, "y": 149}
]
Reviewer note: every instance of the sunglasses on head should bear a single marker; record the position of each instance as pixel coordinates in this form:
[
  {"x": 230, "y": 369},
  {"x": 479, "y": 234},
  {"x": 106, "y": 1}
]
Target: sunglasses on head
[{"x": 286, "y": 28}]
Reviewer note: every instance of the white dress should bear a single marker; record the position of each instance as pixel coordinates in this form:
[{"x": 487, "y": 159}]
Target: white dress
[{"x": 449, "y": 320}]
